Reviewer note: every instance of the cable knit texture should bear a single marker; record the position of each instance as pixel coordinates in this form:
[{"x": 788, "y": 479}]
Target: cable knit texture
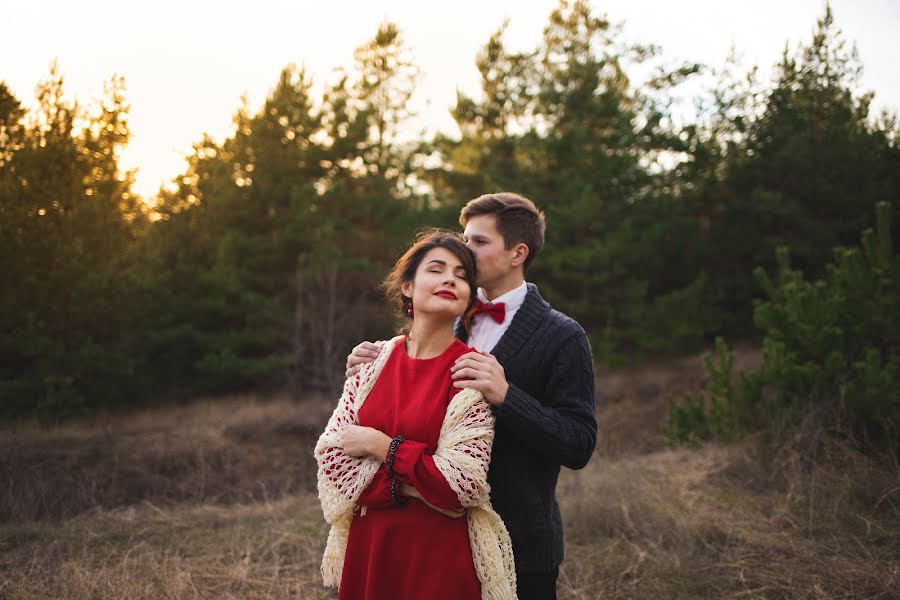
[
  {"x": 462, "y": 456},
  {"x": 546, "y": 421}
]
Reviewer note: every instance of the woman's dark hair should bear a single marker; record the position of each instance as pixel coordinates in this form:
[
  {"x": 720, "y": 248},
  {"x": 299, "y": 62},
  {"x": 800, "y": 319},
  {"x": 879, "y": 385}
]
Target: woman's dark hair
[{"x": 404, "y": 270}]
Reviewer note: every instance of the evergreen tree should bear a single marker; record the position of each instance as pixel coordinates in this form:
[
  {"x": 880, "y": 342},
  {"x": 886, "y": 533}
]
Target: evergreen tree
[
  {"x": 270, "y": 248},
  {"x": 802, "y": 170},
  {"x": 70, "y": 222},
  {"x": 831, "y": 354},
  {"x": 565, "y": 125},
  {"x": 222, "y": 258},
  {"x": 367, "y": 210}
]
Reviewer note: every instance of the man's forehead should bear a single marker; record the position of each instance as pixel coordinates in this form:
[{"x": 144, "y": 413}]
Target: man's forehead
[{"x": 485, "y": 225}]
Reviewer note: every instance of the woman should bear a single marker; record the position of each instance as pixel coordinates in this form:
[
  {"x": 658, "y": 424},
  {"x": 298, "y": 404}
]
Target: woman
[{"x": 405, "y": 454}]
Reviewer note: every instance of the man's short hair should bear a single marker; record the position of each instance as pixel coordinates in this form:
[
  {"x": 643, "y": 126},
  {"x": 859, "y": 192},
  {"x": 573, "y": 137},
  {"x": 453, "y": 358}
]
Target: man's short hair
[{"x": 518, "y": 220}]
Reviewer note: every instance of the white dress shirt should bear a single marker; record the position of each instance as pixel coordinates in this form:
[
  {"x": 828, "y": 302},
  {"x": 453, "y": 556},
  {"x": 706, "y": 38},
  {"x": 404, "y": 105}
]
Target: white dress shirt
[{"x": 486, "y": 332}]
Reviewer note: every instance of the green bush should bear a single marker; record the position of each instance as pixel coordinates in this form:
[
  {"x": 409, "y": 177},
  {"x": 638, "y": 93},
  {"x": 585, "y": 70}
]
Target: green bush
[
  {"x": 830, "y": 349},
  {"x": 729, "y": 407}
]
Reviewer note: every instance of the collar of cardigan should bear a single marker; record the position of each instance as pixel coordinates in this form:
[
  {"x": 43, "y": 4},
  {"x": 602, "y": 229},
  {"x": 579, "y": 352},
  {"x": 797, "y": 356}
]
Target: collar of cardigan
[{"x": 533, "y": 310}]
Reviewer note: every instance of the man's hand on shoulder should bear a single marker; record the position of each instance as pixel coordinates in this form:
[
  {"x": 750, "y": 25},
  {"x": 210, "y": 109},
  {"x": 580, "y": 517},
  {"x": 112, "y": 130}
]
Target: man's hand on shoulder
[
  {"x": 483, "y": 373},
  {"x": 364, "y": 353}
]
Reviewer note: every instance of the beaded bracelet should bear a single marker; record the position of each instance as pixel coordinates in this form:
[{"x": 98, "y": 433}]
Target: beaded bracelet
[{"x": 392, "y": 450}]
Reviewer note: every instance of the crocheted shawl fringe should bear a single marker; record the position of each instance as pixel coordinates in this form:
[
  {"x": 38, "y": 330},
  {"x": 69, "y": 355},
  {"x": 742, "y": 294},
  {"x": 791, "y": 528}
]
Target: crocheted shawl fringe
[{"x": 462, "y": 456}]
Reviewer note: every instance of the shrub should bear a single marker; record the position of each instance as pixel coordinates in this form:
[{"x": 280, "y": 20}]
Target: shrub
[{"x": 830, "y": 349}]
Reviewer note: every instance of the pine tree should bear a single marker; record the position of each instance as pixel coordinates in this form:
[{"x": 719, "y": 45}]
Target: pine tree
[
  {"x": 72, "y": 222},
  {"x": 803, "y": 172}
]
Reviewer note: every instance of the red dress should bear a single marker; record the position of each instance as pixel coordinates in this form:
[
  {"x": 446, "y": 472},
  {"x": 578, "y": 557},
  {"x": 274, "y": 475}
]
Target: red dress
[{"x": 414, "y": 551}]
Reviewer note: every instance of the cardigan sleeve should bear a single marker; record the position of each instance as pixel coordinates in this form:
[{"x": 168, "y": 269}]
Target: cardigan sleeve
[{"x": 562, "y": 427}]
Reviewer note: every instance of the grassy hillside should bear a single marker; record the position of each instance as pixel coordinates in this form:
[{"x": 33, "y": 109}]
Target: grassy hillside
[{"x": 217, "y": 500}]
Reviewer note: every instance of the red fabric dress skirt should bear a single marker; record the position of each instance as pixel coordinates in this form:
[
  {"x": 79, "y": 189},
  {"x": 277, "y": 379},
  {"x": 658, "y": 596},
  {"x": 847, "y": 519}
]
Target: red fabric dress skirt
[{"x": 414, "y": 551}]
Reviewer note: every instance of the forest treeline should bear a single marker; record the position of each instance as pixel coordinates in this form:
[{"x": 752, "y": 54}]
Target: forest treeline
[{"x": 258, "y": 267}]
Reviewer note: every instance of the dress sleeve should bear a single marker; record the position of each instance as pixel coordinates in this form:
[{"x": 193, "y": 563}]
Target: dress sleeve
[
  {"x": 378, "y": 494},
  {"x": 415, "y": 467}
]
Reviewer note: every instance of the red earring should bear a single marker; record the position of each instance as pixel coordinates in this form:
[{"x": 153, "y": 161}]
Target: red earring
[{"x": 409, "y": 309}]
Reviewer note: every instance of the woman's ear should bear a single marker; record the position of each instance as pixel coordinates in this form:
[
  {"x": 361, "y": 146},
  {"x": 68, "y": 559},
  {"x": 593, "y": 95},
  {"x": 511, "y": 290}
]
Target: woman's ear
[
  {"x": 406, "y": 288},
  {"x": 520, "y": 253}
]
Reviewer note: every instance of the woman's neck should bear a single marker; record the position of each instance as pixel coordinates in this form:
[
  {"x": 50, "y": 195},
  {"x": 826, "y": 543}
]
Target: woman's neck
[{"x": 428, "y": 338}]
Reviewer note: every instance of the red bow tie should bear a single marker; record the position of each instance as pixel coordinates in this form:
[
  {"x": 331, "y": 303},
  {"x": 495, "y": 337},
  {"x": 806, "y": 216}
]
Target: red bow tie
[{"x": 497, "y": 311}]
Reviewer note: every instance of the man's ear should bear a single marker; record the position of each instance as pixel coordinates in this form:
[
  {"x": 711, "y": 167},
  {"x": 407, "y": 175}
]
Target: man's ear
[{"x": 520, "y": 253}]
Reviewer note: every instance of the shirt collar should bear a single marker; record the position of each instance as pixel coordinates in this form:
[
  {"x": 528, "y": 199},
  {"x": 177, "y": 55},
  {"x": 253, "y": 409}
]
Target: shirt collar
[{"x": 513, "y": 298}]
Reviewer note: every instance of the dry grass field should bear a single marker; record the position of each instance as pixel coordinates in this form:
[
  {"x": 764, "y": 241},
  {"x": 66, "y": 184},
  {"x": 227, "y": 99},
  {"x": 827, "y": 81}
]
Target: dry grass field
[{"x": 217, "y": 500}]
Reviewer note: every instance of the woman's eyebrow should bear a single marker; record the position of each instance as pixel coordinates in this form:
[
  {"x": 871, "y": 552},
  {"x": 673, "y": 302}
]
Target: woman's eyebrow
[{"x": 443, "y": 263}]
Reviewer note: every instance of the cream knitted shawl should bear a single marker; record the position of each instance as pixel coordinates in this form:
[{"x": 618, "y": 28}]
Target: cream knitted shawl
[{"x": 462, "y": 456}]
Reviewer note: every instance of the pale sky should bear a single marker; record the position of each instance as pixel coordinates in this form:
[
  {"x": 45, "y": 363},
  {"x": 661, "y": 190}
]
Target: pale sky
[{"x": 187, "y": 63}]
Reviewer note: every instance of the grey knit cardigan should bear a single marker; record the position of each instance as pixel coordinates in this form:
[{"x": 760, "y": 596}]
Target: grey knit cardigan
[{"x": 546, "y": 421}]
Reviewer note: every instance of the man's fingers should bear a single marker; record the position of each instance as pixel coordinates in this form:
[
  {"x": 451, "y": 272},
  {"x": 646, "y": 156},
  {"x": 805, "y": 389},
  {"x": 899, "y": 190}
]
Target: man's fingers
[
  {"x": 461, "y": 364},
  {"x": 469, "y": 373},
  {"x": 365, "y": 349},
  {"x": 468, "y": 363},
  {"x": 355, "y": 359},
  {"x": 485, "y": 369},
  {"x": 362, "y": 355},
  {"x": 476, "y": 356},
  {"x": 470, "y": 383},
  {"x": 363, "y": 352}
]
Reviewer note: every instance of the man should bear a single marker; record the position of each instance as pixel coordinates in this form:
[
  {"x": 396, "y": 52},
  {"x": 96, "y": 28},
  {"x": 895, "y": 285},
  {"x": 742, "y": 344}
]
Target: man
[{"x": 534, "y": 366}]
